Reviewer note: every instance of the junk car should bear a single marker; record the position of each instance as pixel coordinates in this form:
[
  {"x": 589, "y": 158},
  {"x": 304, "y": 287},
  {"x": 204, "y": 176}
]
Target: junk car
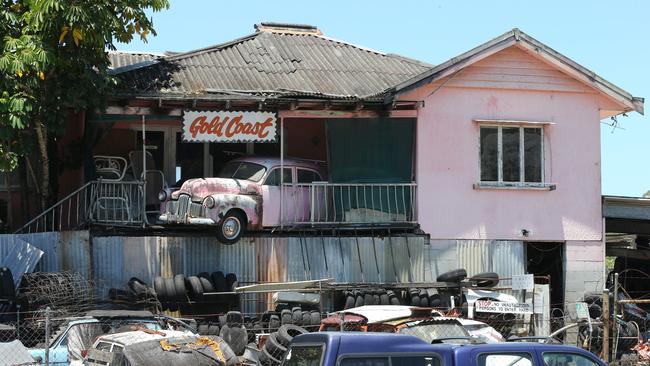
[{"x": 245, "y": 195}]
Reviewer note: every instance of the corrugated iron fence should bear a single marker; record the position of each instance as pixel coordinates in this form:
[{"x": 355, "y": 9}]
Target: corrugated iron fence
[{"x": 110, "y": 261}]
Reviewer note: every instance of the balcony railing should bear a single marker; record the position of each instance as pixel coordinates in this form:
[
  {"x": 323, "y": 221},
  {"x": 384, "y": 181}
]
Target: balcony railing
[
  {"x": 355, "y": 204},
  {"x": 114, "y": 203}
]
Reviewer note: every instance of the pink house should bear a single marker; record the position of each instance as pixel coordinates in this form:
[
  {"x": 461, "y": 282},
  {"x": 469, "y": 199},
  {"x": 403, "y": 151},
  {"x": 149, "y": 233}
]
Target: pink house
[{"x": 508, "y": 149}]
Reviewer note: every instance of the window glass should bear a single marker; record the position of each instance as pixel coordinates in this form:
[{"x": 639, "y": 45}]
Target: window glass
[
  {"x": 501, "y": 359},
  {"x": 308, "y": 176},
  {"x": 415, "y": 361},
  {"x": 566, "y": 359},
  {"x": 103, "y": 346},
  {"x": 365, "y": 361},
  {"x": 510, "y": 152},
  {"x": 274, "y": 177},
  {"x": 431, "y": 332},
  {"x": 304, "y": 356},
  {"x": 533, "y": 154},
  {"x": 250, "y": 171},
  {"x": 489, "y": 154},
  {"x": 228, "y": 170}
]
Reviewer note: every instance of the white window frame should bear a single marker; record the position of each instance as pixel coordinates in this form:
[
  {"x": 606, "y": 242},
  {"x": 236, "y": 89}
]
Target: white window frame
[{"x": 521, "y": 184}]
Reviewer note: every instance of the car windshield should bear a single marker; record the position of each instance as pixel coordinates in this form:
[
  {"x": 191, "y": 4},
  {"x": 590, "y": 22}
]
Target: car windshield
[
  {"x": 430, "y": 332},
  {"x": 242, "y": 170}
]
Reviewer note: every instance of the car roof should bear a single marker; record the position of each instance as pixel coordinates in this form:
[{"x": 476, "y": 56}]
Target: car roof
[
  {"x": 120, "y": 314},
  {"x": 365, "y": 343},
  {"x": 384, "y": 313},
  {"x": 138, "y": 336},
  {"x": 271, "y": 161}
]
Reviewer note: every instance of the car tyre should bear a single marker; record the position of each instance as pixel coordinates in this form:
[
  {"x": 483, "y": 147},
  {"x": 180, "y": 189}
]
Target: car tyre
[
  {"x": 456, "y": 275},
  {"x": 231, "y": 228},
  {"x": 486, "y": 279},
  {"x": 286, "y": 333},
  {"x": 274, "y": 347},
  {"x": 195, "y": 287},
  {"x": 180, "y": 291}
]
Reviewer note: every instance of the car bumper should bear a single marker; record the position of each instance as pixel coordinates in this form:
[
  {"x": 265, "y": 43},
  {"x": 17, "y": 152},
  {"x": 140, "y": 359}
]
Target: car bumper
[{"x": 171, "y": 219}]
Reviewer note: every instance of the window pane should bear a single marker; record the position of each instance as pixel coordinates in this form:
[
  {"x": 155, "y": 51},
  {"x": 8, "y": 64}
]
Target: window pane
[
  {"x": 304, "y": 356},
  {"x": 567, "y": 359},
  {"x": 274, "y": 177},
  {"x": 501, "y": 359},
  {"x": 415, "y": 361},
  {"x": 510, "y": 140},
  {"x": 489, "y": 154},
  {"x": 307, "y": 176},
  {"x": 250, "y": 171},
  {"x": 366, "y": 361},
  {"x": 533, "y": 154}
]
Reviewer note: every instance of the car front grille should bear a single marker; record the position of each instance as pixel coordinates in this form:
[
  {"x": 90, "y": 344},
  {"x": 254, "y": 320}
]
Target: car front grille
[{"x": 185, "y": 207}]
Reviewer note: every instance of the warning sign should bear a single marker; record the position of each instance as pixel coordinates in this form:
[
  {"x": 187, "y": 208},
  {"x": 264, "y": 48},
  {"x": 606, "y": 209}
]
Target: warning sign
[{"x": 489, "y": 306}]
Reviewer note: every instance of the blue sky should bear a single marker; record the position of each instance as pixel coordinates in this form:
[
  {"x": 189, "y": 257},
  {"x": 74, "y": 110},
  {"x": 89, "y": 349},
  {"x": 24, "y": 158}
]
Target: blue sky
[{"x": 610, "y": 38}]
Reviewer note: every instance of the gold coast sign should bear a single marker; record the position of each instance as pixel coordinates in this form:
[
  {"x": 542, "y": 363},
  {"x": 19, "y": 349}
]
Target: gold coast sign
[{"x": 227, "y": 126}]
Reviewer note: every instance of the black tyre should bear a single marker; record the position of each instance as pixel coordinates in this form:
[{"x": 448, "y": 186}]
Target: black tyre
[
  {"x": 236, "y": 337},
  {"x": 274, "y": 347},
  {"x": 287, "y": 332},
  {"x": 231, "y": 228},
  {"x": 368, "y": 298},
  {"x": 274, "y": 323},
  {"x": 486, "y": 279},
  {"x": 315, "y": 318},
  {"x": 137, "y": 286},
  {"x": 267, "y": 359},
  {"x": 384, "y": 299},
  {"x": 213, "y": 329},
  {"x": 306, "y": 318},
  {"x": 203, "y": 329},
  {"x": 231, "y": 281},
  {"x": 160, "y": 289},
  {"x": 392, "y": 297},
  {"x": 349, "y": 301},
  {"x": 170, "y": 290},
  {"x": 195, "y": 288},
  {"x": 358, "y": 299},
  {"x": 434, "y": 301},
  {"x": 180, "y": 291},
  {"x": 222, "y": 320},
  {"x": 206, "y": 284},
  {"x": 424, "y": 298},
  {"x": 234, "y": 319},
  {"x": 456, "y": 275},
  {"x": 219, "y": 281},
  {"x": 296, "y": 316},
  {"x": 415, "y": 299},
  {"x": 286, "y": 317}
]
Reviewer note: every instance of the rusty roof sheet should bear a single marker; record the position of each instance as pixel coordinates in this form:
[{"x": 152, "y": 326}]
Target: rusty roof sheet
[{"x": 273, "y": 64}]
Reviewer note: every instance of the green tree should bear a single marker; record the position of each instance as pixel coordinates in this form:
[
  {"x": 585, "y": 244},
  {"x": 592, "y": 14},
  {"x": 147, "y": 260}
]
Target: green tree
[{"x": 54, "y": 61}]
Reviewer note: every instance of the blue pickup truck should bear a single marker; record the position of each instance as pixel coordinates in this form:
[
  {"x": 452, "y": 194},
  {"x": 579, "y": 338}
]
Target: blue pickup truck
[{"x": 382, "y": 349}]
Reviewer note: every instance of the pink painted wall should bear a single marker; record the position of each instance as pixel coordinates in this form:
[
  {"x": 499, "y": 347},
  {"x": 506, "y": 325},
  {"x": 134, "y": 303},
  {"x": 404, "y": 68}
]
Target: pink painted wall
[{"x": 509, "y": 85}]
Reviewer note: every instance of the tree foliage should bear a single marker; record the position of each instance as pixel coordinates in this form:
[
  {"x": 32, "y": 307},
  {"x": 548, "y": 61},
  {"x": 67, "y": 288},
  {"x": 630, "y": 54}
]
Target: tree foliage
[{"x": 53, "y": 60}]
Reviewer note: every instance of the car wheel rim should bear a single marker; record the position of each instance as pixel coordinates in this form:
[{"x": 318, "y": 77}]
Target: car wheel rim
[{"x": 231, "y": 228}]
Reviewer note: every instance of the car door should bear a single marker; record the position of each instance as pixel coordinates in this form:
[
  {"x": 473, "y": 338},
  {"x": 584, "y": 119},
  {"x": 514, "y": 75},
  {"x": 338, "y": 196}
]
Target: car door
[{"x": 272, "y": 198}]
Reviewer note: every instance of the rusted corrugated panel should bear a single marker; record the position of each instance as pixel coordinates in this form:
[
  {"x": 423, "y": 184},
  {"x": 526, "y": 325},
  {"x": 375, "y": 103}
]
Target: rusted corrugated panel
[
  {"x": 75, "y": 252},
  {"x": 108, "y": 264},
  {"x": 504, "y": 257}
]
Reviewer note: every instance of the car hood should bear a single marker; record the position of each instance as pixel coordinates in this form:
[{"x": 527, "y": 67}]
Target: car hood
[{"x": 200, "y": 188}]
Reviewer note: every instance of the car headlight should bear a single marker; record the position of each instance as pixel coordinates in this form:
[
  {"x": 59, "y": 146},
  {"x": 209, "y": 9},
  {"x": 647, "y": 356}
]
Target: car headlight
[
  {"x": 209, "y": 202},
  {"x": 162, "y": 195}
]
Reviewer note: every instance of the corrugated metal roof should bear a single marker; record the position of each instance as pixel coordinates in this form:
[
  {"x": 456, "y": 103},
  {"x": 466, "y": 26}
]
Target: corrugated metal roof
[
  {"x": 119, "y": 59},
  {"x": 274, "y": 64}
]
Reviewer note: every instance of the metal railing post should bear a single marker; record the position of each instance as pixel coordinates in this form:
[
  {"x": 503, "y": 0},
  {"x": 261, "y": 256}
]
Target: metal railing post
[
  {"x": 47, "y": 336},
  {"x": 606, "y": 325}
]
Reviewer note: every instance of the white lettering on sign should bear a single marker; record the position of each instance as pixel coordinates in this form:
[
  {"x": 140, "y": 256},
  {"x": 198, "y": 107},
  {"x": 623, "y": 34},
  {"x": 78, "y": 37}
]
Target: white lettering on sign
[
  {"x": 489, "y": 306},
  {"x": 227, "y": 126},
  {"x": 523, "y": 282}
]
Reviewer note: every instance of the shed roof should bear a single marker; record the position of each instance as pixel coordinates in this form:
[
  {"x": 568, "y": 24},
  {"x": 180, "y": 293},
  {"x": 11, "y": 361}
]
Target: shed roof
[{"x": 278, "y": 60}]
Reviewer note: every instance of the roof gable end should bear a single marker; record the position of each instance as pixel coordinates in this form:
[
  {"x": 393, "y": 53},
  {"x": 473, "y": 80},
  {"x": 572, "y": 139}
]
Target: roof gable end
[{"x": 520, "y": 39}]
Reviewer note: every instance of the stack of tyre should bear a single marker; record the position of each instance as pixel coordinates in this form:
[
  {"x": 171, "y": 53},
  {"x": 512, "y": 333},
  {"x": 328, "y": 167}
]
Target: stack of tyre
[
  {"x": 276, "y": 344},
  {"x": 362, "y": 297},
  {"x": 171, "y": 292}
]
